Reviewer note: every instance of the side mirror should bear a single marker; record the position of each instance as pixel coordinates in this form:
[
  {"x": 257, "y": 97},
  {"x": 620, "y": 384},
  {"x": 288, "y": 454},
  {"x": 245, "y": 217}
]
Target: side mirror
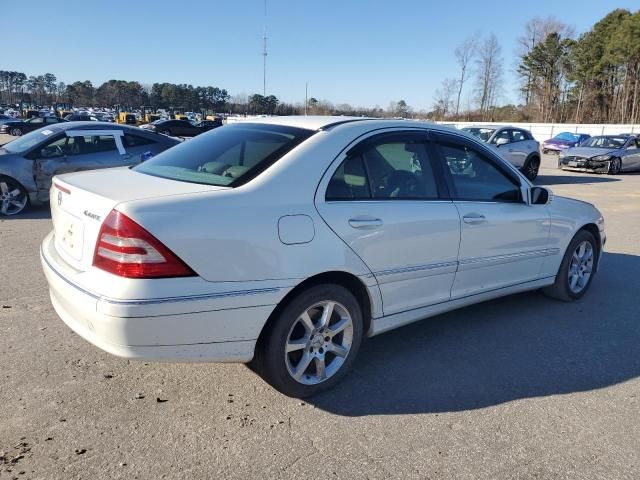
[
  {"x": 501, "y": 141},
  {"x": 540, "y": 196}
]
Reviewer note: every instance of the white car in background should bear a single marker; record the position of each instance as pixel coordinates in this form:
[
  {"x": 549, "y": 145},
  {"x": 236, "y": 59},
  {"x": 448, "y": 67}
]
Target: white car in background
[
  {"x": 285, "y": 241},
  {"x": 517, "y": 145}
]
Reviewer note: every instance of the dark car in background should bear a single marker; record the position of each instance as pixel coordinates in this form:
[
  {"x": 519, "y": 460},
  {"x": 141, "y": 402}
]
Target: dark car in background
[
  {"x": 20, "y": 127},
  {"x": 181, "y": 128},
  {"x": 28, "y": 164},
  {"x": 562, "y": 141},
  {"x": 80, "y": 117}
]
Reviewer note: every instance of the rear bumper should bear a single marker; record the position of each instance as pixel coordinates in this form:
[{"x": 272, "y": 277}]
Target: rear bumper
[{"x": 223, "y": 328}]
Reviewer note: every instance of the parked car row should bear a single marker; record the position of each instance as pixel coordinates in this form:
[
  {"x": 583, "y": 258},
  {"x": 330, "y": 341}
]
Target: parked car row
[{"x": 181, "y": 128}]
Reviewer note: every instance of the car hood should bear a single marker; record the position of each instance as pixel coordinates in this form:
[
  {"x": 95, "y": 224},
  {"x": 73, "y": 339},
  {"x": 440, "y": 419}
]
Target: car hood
[{"x": 588, "y": 152}]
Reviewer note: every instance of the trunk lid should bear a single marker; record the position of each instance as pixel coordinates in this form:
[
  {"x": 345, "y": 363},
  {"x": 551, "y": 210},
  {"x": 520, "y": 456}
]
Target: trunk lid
[{"x": 81, "y": 201}]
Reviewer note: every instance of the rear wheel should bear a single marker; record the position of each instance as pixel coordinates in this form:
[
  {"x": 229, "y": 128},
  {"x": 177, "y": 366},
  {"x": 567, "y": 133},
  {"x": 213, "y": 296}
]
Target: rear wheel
[
  {"x": 312, "y": 343},
  {"x": 16, "y": 131},
  {"x": 13, "y": 197},
  {"x": 615, "y": 165},
  {"x": 531, "y": 168},
  {"x": 576, "y": 270}
]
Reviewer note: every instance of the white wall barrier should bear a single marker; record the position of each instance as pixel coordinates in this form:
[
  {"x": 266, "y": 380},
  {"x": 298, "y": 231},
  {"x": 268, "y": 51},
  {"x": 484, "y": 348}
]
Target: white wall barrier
[{"x": 544, "y": 131}]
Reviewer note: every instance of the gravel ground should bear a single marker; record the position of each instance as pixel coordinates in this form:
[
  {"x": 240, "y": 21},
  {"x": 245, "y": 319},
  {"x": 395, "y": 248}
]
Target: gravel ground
[{"x": 521, "y": 387}]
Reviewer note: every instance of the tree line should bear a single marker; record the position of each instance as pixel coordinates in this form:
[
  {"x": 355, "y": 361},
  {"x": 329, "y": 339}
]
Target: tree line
[{"x": 593, "y": 77}]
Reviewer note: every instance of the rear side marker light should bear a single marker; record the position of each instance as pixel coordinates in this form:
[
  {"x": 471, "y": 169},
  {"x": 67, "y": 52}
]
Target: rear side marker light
[
  {"x": 126, "y": 249},
  {"x": 62, "y": 189}
]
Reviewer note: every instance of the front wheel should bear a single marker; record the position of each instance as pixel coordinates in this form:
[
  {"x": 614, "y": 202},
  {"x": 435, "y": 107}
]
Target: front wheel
[
  {"x": 576, "y": 270},
  {"x": 615, "y": 166},
  {"x": 531, "y": 168},
  {"x": 13, "y": 197},
  {"x": 313, "y": 342},
  {"x": 16, "y": 132}
]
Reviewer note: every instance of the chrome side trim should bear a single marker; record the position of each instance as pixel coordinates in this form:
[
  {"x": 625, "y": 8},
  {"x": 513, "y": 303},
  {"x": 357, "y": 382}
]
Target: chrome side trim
[
  {"x": 471, "y": 263},
  {"x": 189, "y": 298},
  {"x": 415, "y": 268},
  {"x": 153, "y": 301}
]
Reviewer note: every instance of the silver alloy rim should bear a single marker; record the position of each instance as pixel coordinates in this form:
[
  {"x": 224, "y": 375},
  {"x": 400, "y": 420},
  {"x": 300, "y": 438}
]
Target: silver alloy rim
[
  {"x": 580, "y": 267},
  {"x": 319, "y": 342},
  {"x": 12, "y": 199},
  {"x": 16, "y": 132},
  {"x": 532, "y": 170}
]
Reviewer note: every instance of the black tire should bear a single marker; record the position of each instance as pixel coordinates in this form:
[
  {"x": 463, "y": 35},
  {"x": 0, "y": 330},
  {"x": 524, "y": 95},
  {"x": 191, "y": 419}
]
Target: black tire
[
  {"x": 165, "y": 132},
  {"x": 273, "y": 364},
  {"x": 16, "y": 132},
  {"x": 14, "y": 199},
  {"x": 615, "y": 166},
  {"x": 531, "y": 168},
  {"x": 561, "y": 290}
]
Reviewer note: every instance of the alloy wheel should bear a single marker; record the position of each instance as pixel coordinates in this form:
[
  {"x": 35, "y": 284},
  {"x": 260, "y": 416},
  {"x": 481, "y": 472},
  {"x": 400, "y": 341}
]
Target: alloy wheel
[
  {"x": 319, "y": 342},
  {"x": 13, "y": 199},
  {"x": 531, "y": 171},
  {"x": 16, "y": 132},
  {"x": 581, "y": 267}
]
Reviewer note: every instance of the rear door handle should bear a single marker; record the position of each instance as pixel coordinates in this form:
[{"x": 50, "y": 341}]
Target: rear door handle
[
  {"x": 365, "y": 223},
  {"x": 474, "y": 218}
]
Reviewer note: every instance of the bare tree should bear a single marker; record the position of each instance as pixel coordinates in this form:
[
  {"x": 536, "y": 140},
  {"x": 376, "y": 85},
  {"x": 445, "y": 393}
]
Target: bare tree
[
  {"x": 488, "y": 73},
  {"x": 443, "y": 98},
  {"x": 464, "y": 53}
]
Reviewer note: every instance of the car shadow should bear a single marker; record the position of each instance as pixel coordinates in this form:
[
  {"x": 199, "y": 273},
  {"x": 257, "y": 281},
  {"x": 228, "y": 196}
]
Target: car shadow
[
  {"x": 33, "y": 213},
  {"x": 572, "y": 179},
  {"x": 512, "y": 348}
]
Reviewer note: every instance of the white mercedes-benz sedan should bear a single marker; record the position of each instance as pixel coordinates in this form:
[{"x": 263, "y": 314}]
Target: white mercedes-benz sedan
[{"x": 283, "y": 242}]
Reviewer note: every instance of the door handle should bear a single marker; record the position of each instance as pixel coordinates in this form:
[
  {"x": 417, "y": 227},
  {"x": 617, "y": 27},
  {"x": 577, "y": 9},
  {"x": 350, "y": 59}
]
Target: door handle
[
  {"x": 474, "y": 218},
  {"x": 511, "y": 150},
  {"x": 126, "y": 156},
  {"x": 364, "y": 223}
]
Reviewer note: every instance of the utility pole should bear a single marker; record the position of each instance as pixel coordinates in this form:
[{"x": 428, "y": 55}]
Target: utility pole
[
  {"x": 264, "y": 53},
  {"x": 306, "y": 97}
]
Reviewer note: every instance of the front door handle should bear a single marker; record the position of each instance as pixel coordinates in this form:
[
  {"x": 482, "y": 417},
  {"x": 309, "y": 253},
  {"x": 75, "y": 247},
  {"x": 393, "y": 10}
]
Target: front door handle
[
  {"x": 125, "y": 156},
  {"x": 474, "y": 218},
  {"x": 364, "y": 223}
]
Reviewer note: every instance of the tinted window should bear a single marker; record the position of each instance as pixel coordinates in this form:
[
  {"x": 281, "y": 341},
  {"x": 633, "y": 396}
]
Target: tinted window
[
  {"x": 349, "y": 182},
  {"x": 475, "y": 177},
  {"x": 230, "y": 155},
  {"x": 518, "y": 136},
  {"x": 36, "y": 120},
  {"x": 134, "y": 140},
  {"x": 400, "y": 170},
  {"x": 502, "y": 134},
  {"x": 393, "y": 169}
]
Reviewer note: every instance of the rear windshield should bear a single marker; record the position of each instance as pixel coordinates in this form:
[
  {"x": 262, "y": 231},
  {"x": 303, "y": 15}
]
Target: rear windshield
[{"x": 227, "y": 156}]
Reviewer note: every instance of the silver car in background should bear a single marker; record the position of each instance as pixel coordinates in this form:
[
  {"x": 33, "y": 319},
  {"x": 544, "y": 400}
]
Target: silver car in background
[
  {"x": 28, "y": 164},
  {"x": 515, "y": 144},
  {"x": 611, "y": 154}
]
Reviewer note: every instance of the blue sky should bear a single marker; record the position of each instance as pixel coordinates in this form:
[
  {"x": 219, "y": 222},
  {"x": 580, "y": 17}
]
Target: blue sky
[{"x": 350, "y": 51}]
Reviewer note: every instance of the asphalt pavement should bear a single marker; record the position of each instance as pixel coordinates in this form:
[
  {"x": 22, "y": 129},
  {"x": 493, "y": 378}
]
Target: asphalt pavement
[{"x": 516, "y": 388}]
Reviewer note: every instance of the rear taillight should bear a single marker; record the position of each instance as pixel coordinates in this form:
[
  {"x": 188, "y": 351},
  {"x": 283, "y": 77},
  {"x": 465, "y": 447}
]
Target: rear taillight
[{"x": 126, "y": 249}]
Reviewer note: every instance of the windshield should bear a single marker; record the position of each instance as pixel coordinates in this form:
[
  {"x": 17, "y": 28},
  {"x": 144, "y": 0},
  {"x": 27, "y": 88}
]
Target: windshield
[
  {"x": 604, "y": 142},
  {"x": 28, "y": 141},
  {"x": 227, "y": 156},
  {"x": 482, "y": 133},
  {"x": 567, "y": 136}
]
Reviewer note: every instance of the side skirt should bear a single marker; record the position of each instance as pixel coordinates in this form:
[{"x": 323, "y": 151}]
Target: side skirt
[{"x": 396, "y": 320}]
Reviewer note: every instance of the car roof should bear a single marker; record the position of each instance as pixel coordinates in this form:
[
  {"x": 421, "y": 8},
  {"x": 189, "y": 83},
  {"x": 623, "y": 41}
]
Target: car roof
[{"x": 330, "y": 123}]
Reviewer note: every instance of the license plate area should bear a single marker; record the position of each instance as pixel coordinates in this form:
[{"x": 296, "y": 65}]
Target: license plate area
[{"x": 69, "y": 232}]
